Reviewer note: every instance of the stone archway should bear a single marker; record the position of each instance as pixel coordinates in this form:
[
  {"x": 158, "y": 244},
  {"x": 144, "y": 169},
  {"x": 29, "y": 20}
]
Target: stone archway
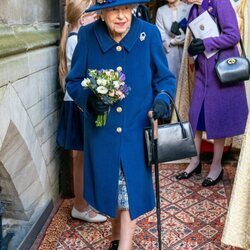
[{"x": 21, "y": 188}]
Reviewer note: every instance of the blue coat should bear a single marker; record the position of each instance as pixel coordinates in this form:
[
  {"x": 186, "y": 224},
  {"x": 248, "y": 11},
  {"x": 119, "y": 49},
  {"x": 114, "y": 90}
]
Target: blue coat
[
  {"x": 225, "y": 108},
  {"x": 121, "y": 141}
]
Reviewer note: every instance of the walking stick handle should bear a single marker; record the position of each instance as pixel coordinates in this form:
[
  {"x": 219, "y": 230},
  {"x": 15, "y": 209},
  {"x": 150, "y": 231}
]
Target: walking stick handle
[{"x": 154, "y": 124}]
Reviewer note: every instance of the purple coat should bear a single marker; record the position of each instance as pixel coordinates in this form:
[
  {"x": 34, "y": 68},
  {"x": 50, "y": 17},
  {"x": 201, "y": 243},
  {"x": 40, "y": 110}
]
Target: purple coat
[{"x": 225, "y": 108}]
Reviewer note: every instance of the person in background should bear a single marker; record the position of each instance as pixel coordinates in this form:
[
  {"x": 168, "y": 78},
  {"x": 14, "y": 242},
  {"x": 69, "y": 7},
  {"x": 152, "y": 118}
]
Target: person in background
[
  {"x": 141, "y": 11},
  {"x": 215, "y": 109},
  {"x": 236, "y": 231},
  {"x": 118, "y": 181},
  {"x": 237, "y": 225},
  {"x": 70, "y": 130},
  {"x": 171, "y": 20}
]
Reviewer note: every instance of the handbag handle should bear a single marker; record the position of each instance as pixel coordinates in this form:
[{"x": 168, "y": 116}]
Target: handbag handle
[
  {"x": 243, "y": 52},
  {"x": 184, "y": 134}
]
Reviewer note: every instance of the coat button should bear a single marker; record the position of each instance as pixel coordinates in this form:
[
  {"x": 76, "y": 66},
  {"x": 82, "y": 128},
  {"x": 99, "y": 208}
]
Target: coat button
[
  {"x": 118, "y": 48},
  {"x": 119, "y": 130},
  {"x": 119, "y": 109}
]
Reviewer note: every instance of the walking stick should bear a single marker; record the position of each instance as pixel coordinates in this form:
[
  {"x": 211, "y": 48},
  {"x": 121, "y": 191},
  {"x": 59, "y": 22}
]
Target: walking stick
[{"x": 154, "y": 124}]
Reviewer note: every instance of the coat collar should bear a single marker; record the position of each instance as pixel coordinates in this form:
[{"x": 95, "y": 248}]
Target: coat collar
[
  {"x": 207, "y": 5},
  {"x": 106, "y": 42}
]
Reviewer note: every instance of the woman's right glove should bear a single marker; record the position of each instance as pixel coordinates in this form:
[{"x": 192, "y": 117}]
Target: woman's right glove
[
  {"x": 160, "y": 109},
  {"x": 178, "y": 40},
  {"x": 196, "y": 47},
  {"x": 166, "y": 47},
  {"x": 95, "y": 105}
]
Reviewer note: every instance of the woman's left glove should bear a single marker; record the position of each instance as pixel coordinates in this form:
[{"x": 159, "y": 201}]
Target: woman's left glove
[
  {"x": 196, "y": 47},
  {"x": 96, "y": 106},
  {"x": 178, "y": 40},
  {"x": 160, "y": 109}
]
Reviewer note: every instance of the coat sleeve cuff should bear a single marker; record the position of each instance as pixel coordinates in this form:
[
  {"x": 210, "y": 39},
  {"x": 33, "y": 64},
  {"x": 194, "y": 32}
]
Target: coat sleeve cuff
[
  {"x": 207, "y": 44},
  {"x": 164, "y": 97}
]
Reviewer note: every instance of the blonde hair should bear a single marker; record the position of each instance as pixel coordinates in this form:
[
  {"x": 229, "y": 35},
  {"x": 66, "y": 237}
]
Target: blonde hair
[
  {"x": 74, "y": 9},
  {"x": 240, "y": 12}
]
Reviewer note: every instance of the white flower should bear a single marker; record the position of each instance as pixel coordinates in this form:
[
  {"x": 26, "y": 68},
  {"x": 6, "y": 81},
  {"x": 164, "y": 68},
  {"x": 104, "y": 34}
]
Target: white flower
[
  {"x": 119, "y": 69},
  {"x": 99, "y": 81},
  {"x": 104, "y": 82},
  {"x": 102, "y": 90},
  {"x": 116, "y": 84},
  {"x": 85, "y": 82}
]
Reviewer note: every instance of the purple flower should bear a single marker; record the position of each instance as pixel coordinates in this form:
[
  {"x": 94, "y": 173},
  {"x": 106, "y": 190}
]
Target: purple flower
[
  {"x": 122, "y": 77},
  {"x": 125, "y": 89}
]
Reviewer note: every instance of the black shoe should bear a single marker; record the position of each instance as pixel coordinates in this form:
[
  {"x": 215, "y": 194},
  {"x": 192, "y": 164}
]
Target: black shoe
[
  {"x": 210, "y": 182},
  {"x": 114, "y": 245},
  {"x": 185, "y": 175}
]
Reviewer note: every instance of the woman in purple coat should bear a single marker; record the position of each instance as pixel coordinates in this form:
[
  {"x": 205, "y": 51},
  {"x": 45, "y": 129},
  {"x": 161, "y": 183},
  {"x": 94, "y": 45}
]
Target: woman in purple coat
[{"x": 220, "y": 111}]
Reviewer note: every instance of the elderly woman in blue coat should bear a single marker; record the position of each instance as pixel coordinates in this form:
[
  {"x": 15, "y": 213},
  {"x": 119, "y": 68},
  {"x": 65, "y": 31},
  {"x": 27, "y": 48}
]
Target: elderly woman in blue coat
[
  {"x": 117, "y": 180},
  {"x": 220, "y": 111}
]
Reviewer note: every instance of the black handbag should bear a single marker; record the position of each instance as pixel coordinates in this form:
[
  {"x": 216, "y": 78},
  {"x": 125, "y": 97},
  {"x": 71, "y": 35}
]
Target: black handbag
[
  {"x": 233, "y": 70},
  {"x": 175, "y": 140}
]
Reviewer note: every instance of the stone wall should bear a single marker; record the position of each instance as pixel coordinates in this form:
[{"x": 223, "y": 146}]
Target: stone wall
[
  {"x": 29, "y": 11},
  {"x": 29, "y": 109}
]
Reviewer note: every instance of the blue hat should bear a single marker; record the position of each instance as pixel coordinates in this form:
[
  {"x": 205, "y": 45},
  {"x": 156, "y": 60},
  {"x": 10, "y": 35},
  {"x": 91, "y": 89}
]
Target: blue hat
[{"x": 105, "y": 4}]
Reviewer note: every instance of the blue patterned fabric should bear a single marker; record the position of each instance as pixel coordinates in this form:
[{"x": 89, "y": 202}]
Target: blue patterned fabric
[{"x": 122, "y": 192}]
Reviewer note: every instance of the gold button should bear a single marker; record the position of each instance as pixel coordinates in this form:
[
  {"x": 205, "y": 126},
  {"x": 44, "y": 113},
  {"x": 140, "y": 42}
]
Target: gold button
[
  {"x": 119, "y": 109},
  {"x": 118, "y": 48},
  {"x": 119, "y": 130}
]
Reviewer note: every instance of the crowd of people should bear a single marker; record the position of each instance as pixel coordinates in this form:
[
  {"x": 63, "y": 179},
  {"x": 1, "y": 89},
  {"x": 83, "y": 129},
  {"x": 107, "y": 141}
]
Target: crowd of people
[{"x": 117, "y": 38}]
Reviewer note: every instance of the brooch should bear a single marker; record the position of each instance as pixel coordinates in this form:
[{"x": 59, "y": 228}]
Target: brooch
[
  {"x": 210, "y": 9},
  {"x": 105, "y": 1},
  {"x": 142, "y": 36}
]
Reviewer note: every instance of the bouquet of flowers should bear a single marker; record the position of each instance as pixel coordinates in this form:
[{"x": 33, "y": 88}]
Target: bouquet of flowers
[{"x": 109, "y": 86}]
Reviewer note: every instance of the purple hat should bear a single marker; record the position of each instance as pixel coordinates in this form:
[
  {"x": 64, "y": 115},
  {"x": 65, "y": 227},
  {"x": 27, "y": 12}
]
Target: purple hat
[{"x": 105, "y": 4}]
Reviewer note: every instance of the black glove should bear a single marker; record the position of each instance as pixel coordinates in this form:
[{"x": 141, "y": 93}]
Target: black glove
[
  {"x": 96, "y": 106},
  {"x": 160, "y": 109},
  {"x": 175, "y": 28},
  {"x": 196, "y": 47}
]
